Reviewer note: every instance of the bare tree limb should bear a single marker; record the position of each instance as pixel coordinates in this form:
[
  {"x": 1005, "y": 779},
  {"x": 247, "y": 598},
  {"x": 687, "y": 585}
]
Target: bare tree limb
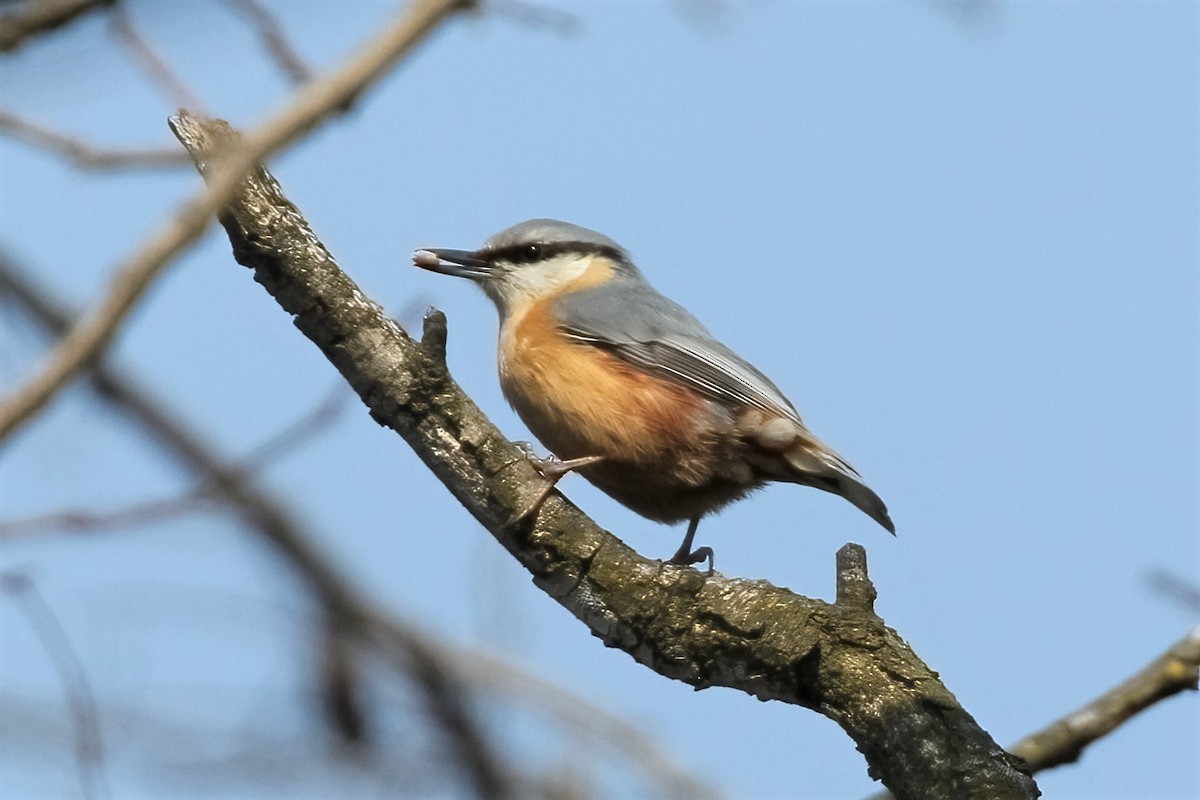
[
  {"x": 89, "y": 742},
  {"x": 536, "y": 15},
  {"x": 273, "y": 38},
  {"x": 154, "y": 65},
  {"x": 82, "y": 520},
  {"x": 445, "y": 702},
  {"x": 1183, "y": 592},
  {"x": 1064, "y": 741},
  {"x": 84, "y": 155},
  {"x": 352, "y": 614},
  {"x": 316, "y": 101},
  {"x": 149, "y": 512},
  {"x": 339, "y": 682},
  {"x": 839, "y": 659},
  {"x": 41, "y": 16}
]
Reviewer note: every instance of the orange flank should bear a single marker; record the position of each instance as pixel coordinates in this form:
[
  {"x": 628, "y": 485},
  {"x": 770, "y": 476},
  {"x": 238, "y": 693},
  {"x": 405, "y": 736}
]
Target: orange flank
[{"x": 582, "y": 401}]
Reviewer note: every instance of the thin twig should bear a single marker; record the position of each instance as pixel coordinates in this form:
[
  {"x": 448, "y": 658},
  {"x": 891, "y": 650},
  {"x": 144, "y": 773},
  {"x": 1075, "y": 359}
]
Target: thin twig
[
  {"x": 89, "y": 744},
  {"x": 967, "y": 12},
  {"x": 274, "y": 39},
  {"x": 447, "y": 701},
  {"x": 1064, "y": 741},
  {"x": 84, "y": 155},
  {"x": 535, "y": 15},
  {"x": 340, "y": 681},
  {"x": 149, "y": 512},
  {"x": 1184, "y": 592},
  {"x": 41, "y": 16},
  {"x": 295, "y": 433},
  {"x": 136, "y": 515},
  {"x": 577, "y": 714},
  {"x": 154, "y": 65},
  {"x": 313, "y": 103}
]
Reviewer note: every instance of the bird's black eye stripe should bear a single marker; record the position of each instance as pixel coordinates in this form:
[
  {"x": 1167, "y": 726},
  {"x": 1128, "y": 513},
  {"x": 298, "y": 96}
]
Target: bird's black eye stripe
[{"x": 531, "y": 252}]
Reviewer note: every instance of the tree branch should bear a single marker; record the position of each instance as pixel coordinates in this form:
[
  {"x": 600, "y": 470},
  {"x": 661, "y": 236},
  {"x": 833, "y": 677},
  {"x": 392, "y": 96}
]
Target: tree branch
[
  {"x": 152, "y": 64},
  {"x": 85, "y": 155},
  {"x": 838, "y": 659},
  {"x": 89, "y": 741},
  {"x": 312, "y": 104},
  {"x": 274, "y": 40},
  {"x": 149, "y": 512},
  {"x": 41, "y": 16},
  {"x": 1064, "y": 741},
  {"x": 1183, "y": 592}
]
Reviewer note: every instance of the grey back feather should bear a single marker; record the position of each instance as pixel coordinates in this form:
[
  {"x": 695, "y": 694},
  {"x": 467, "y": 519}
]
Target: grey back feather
[
  {"x": 548, "y": 231},
  {"x": 661, "y": 337}
]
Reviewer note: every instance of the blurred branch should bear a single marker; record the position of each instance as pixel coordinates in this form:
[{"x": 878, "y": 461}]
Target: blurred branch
[
  {"x": 89, "y": 745},
  {"x": 313, "y": 103},
  {"x": 579, "y": 715},
  {"x": 348, "y": 612},
  {"x": 339, "y": 681},
  {"x": 535, "y": 15},
  {"x": 1184, "y": 592},
  {"x": 152, "y": 64},
  {"x": 273, "y": 38},
  {"x": 1064, "y": 741},
  {"x": 294, "y": 434},
  {"x": 148, "y": 512},
  {"x": 135, "y": 515},
  {"x": 277, "y": 525},
  {"x": 41, "y": 16},
  {"x": 84, "y": 155},
  {"x": 447, "y": 702},
  {"x": 967, "y": 12},
  {"x": 838, "y": 659}
]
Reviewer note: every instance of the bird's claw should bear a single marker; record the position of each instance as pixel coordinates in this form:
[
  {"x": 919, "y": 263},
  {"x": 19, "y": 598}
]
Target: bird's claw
[
  {"x": 685, "y": 558},
  {"x": 552, "y": 469}
]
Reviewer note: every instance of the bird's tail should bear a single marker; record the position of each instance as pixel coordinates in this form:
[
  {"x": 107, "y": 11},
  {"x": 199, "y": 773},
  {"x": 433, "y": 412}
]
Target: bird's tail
[{"x": 813, "y": 464}]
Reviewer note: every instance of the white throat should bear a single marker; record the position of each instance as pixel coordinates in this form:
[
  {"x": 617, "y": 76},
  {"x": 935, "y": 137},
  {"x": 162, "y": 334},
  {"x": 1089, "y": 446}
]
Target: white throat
[{"x": 518, "y": 285}]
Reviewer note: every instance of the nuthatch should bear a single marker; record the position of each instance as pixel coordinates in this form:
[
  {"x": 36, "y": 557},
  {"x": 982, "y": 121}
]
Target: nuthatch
[{"x": 630, "y": 389}]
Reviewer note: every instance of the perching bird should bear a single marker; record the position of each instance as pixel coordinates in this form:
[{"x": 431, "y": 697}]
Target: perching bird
[{"x": 630, "y": 389}]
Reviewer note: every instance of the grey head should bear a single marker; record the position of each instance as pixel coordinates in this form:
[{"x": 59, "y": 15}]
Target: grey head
[
  {"x": 551, "y": 234},
  {"x": 528, "y": 261}
]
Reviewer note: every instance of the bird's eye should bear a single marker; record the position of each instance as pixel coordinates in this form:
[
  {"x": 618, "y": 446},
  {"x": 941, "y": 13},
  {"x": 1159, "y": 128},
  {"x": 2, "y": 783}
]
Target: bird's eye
[{"x": 533, "y": 252}]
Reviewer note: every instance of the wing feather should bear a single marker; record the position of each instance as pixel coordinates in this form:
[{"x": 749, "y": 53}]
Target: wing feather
[{"x": 662, "y": 338}]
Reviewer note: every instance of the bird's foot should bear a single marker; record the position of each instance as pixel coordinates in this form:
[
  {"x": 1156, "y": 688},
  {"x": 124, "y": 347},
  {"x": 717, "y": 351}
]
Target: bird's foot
[
  {"x": 552, "y": 469},
  {"x": 685, "y": 557}
]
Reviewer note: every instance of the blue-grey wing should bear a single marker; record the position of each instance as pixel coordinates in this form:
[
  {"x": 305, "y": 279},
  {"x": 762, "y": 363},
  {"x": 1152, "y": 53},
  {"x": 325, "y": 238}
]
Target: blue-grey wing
[
  {"x": 661, "y": 337},
  {"x": 628, "y": 318}
]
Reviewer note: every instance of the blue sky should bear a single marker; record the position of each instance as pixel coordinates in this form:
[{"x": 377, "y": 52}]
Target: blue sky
[{"x": 965, "y": 245}]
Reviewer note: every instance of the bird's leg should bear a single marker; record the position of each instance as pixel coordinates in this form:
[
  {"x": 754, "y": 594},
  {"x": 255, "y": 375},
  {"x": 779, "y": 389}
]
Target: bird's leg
[
  {"x": 552, "y": 470},
  {"x": 686, "y": 556}
]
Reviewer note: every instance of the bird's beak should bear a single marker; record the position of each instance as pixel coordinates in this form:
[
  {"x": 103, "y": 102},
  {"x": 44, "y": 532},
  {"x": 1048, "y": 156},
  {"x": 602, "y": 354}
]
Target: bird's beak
[{"x": 459, "y": 263}]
